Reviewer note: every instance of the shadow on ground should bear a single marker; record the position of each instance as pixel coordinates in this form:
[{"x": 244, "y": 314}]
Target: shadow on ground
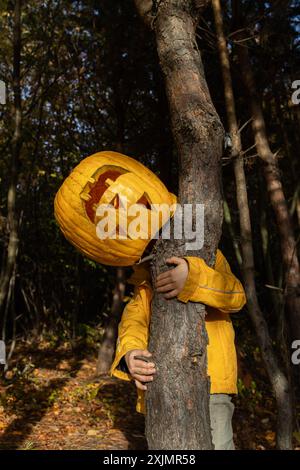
[
  {"x": 31, "y": 403},
  {"x": 119, "y": 399}
]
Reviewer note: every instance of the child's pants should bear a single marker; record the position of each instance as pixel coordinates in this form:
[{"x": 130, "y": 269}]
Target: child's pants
[{"x": 221, "y": 410}]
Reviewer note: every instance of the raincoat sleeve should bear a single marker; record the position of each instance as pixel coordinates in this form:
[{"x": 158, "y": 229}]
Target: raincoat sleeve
[
  {"x": 216, "y": 287},
  {"x": 133, "y": 329}
]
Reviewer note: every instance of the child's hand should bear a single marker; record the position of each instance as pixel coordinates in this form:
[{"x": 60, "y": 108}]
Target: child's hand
[
  {"x": 140, "y": 370},
  {"x": 172, "y": 281}
]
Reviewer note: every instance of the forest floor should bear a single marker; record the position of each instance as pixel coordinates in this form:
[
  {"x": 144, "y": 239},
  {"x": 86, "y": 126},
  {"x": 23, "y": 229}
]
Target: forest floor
[{"x": 51, "y": 399}]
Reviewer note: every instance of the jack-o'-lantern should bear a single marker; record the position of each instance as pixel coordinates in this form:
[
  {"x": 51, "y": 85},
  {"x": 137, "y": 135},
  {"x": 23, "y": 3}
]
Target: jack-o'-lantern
[{"x": 102, "y": 183}]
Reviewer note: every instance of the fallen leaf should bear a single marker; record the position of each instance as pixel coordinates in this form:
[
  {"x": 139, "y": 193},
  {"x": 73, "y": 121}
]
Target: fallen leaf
[
  {"x": 270, "y": 436},
  {"x": 296, "y": 434},
  {"x": 92, "y": 432}
]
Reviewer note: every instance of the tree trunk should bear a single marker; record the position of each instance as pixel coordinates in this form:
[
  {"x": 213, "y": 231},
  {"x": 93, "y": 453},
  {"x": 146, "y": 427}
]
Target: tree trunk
[
  {"x": 276, "y": 194},
  {"x": 278, "y": 380},
  {"x": 107, "y": 347},
  {"x": 177, "y": 401},
  {"x": 16, "y": 143}
]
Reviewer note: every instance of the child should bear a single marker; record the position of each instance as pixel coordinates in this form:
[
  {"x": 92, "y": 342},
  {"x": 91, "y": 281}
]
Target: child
[
  {"x": 105, "y": 179},
  {"x": 191, "y": 280}
]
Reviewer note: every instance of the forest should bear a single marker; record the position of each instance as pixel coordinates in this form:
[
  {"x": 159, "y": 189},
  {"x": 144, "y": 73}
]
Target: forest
[{"x": 206, "y": 95}]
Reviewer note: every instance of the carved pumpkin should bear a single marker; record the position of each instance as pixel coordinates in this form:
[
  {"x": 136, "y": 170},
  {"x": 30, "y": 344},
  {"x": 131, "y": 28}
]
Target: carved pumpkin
[{"x": 106, "y": 178}]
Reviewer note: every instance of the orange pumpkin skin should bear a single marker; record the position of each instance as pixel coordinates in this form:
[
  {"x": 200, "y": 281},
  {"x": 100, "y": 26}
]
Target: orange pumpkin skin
[{"x": 102, "y": 178}]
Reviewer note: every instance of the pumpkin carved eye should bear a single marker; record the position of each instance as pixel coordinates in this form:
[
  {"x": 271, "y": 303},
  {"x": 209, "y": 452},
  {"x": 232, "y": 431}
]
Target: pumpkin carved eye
[{"x": 95, "y": 188}]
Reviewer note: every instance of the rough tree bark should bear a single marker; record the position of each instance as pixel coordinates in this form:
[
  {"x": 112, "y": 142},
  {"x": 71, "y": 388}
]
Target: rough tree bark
[
  {"x": 177, "y": 401},
  {"x": 278, "y": 380},
  {"x": 274, "y": 185},
  {"x": 16, "y": 143}
]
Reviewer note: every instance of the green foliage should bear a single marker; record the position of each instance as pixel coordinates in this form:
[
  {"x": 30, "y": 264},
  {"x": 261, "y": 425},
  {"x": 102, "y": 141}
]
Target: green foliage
[
  {"x": 251, "y": 394},
  {"x": 91, "y": 81},
  {"x": 81, "y": 93},
  {"x": 90, "y": 335},
  {"x": 52, "y": 397}
]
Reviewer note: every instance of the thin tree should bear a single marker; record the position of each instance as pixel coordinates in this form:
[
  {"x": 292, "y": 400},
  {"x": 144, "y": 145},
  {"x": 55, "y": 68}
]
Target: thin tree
[
  {"x": 272, "y": 177},
  {"x": 177, "y": 401},
  {"x": 7, "y": 271},
  {"x": 107, "y": 347},
  {"x": 277, "y": 378}
]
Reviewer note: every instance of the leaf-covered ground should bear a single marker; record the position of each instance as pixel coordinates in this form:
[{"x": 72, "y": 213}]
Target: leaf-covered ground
[{"x": 52, "y": 399}]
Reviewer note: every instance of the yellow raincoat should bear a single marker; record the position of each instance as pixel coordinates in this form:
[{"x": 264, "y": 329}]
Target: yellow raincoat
[{"x": 218, "y": 289}]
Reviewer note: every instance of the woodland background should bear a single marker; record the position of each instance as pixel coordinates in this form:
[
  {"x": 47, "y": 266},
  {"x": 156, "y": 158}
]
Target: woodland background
[{"x": 89, "y": 80}]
